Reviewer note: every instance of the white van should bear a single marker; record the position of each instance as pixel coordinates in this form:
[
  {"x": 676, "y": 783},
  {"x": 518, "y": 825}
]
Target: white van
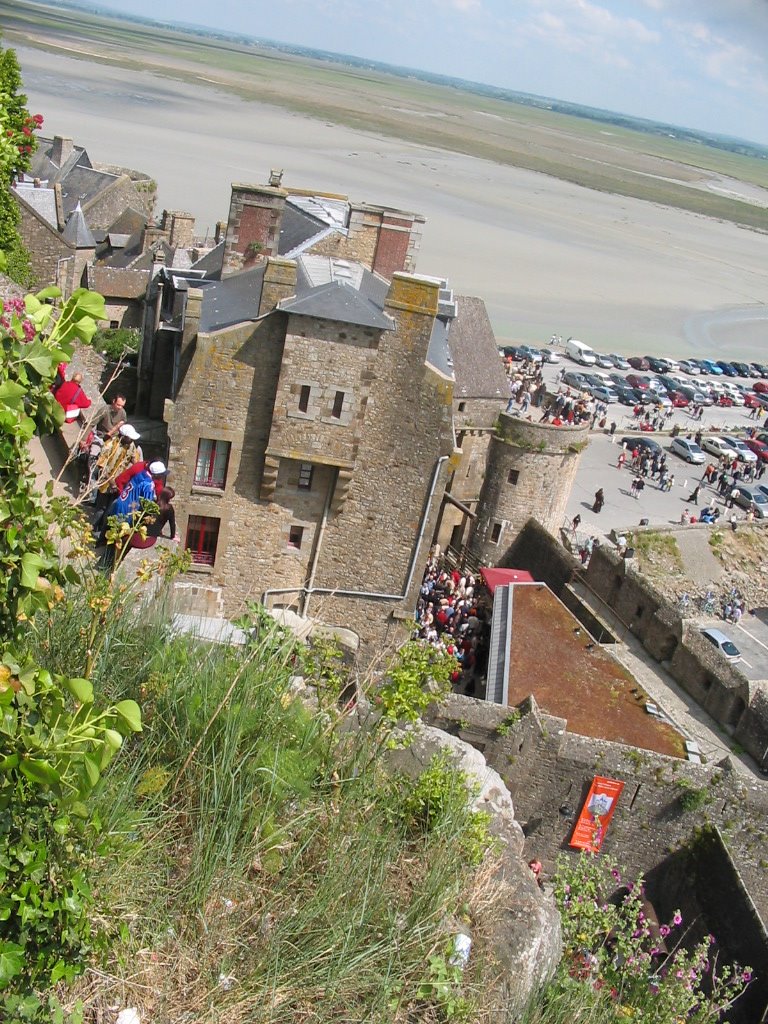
[{"x": 579, "y": 352}]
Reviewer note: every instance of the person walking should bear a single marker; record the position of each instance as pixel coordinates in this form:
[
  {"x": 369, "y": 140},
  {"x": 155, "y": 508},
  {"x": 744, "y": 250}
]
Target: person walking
[
  {"x": 599, "y": 500},
  {"x": 693, "y": 497},
  {"x": 640, "y": 486}
]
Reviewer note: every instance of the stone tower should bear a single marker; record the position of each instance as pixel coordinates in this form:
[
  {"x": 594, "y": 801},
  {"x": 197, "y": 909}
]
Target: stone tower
[{"x": 530, "y": 471}]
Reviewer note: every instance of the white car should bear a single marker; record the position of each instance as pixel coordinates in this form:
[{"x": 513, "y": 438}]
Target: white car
[
  {"x": 689, "y": 368},
  {"x": 687, "y": 450},
  {"x": 716, "y": 446},
  {"x": 725, "y": 645},
  {"x": 739, "y": 449},
  {"x": 550, "y": 356}
]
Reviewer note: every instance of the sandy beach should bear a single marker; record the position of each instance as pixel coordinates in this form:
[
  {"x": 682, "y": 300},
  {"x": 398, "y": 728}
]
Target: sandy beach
[{"x": 547, "y": 256}]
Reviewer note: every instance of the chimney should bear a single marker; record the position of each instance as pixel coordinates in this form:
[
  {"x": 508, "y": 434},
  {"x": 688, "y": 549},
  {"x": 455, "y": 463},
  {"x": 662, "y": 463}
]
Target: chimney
[
  {"x": 253, "y": 227},
  {"x": 221, "y": 231},
  {"x": 279, "y": 283},
  {"x": 182, "y": 229},
  {"x": 61, "y": 150},
  {"x": 152, "y": 234},
  {"x": 59, "y": 203}
]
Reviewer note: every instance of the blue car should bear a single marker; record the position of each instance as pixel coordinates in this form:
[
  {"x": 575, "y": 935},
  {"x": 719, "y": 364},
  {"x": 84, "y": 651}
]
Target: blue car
[
  {"x": 710, "y": 367},
  {"x": 728, "y": 368}
]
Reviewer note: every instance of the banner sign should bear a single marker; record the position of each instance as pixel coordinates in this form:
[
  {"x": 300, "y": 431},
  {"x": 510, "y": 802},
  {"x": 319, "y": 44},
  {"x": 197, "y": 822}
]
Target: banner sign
[{"x": 596, "y": 814}]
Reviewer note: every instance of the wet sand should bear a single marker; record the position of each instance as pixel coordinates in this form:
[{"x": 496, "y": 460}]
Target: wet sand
[{"x": 546, "y": 256}]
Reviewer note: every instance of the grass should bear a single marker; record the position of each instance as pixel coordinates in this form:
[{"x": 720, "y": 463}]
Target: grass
[
  {"x": 260, "y": 864},
  {"x": 653, "y": 548},
  {"x": 572, "y": 149}
]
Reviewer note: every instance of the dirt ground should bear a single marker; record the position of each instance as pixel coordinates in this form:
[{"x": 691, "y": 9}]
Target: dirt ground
[{"x": 583, "y": 684}]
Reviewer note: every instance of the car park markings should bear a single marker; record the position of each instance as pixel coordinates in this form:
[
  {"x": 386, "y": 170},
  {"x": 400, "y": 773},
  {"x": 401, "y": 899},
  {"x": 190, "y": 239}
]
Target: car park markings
[{"x": 752, "y": 637}]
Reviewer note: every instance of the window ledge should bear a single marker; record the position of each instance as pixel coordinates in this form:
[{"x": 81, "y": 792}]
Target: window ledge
[
  {"x": 203, "y": 570},
  {"x": 210, "y": 492}
]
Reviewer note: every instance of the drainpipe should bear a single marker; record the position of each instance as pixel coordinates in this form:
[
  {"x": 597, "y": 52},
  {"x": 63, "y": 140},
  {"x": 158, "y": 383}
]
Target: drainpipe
[
  {"x": 307, "y": 591},
  {"x": 318, "y": 544}
]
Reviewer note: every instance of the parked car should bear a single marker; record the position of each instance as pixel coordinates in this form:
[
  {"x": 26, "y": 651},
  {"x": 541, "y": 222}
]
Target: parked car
[
  {"x": 627, "y": 396},
  {"x": 618, "y": 361},
  {"x": 758, "y": 447},
  {"x": 635, "y": 380},
  {"x": 575, "y": 380},
  {"x": 678, "y": 399},
  {"x": 532, "y": 354},
  {"x": 656, "y": 364},
  {"x": 604, "y": 394},
  {"x": 761, "y": 387},
  {"x": 716, "y": 446},
  {"x": 638, "y": 363},
  {"x": 725, "y": 401},
  {"x": 513, "y": 352},
  {"x": 549, "y": 356},
  {"x": 722, "y": 643},
  {"x": 728, "y": 368},
  {"x": 709, "y": 367},
  {"x": 737, "y": 446},
  {"x": 751, "y": 498},
  {"x": 752, "y": 401},
  {"x": 743, "y": 369},
  {"x": 688, "y": 366},
  {"x": 645, "y": 444},
  {"x": 687, "y": 450},
  {"x": 760, "y": 369},
  {"x": 761, "y": 399}
]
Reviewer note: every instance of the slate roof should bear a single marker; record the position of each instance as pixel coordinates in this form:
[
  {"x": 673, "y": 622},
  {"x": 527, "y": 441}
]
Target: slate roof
[
  {"x": 478, "y": 370},
  {"x": 212, "y": 262},
  {"x": 43, "y": 167},
  {"x": 41, "y": 200},
  {"x": 81, "y": 184},
  {"x": 339, "y": 302},
  {"x": 298, "y": 228},
  {"x": 76, "y": 232},
  {"x": 235, "y": 300},
  {"x": 128, "y": 223}
]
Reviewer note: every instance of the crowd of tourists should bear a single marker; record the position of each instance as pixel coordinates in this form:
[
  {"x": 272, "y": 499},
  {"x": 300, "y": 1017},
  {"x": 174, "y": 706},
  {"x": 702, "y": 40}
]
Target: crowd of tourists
[{"x": 452, "y": 616}]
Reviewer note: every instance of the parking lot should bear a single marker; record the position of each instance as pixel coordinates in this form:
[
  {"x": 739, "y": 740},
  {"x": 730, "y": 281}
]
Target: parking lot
[{"x": 751, "y": 638}]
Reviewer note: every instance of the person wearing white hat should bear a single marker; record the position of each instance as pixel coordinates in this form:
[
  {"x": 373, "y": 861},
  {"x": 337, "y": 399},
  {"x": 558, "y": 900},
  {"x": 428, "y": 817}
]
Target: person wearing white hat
[
  {"x": 120, "y": 452},
  {"x": 156, "y": 469}
]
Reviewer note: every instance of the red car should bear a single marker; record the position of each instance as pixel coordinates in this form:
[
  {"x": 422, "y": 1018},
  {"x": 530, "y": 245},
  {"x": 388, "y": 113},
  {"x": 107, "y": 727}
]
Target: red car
[
  {"x": 751, "y": 402},
  {"x": 760, "y": 449},
  {"x": 724, "y": 401},
  {"x": 761, "y": 387},
  {"x": 636, "y": 381},
  {"x": 639, "y": 363},
  {"x": 678, "y": 399}
]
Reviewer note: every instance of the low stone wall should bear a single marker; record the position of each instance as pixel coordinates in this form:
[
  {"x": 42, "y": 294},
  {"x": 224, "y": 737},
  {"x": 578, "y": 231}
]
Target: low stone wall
[
  {"x": 665, "y": 803},
  {"x": 714, "y": 683}
]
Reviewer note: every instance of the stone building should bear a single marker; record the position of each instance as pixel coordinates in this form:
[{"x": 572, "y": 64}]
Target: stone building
[
  {"x": 329, "y": 411},
  {"x": 63, "y": 186},
  {"x": 530, "y": 471}
]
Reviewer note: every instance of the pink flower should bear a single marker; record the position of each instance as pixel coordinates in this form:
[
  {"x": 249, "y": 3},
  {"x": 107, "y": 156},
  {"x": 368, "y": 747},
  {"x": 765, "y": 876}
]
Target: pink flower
[
  {"x": 678, "y": 918},
  {"x": 665, "y": 930}
]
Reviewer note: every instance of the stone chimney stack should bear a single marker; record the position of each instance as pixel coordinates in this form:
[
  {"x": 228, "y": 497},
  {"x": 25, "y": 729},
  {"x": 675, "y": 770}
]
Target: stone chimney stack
[
  {"x": 279, "y": 283},
  {"x": 59, "y": 203},
  {"x": 180, "y": 227},
  {"x": 253, "y": 227},
  {"x": 62, "y": 150}
]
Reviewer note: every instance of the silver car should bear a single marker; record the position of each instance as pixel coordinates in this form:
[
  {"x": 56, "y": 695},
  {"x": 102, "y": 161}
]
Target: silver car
[{"x": 687, "y": 450}]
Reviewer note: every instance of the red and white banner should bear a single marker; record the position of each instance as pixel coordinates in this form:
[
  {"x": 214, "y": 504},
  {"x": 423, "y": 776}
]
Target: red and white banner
[{"x": 592, "y": 824}]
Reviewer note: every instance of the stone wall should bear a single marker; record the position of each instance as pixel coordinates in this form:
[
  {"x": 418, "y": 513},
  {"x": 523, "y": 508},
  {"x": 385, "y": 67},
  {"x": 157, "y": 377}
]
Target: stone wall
[
  {"x": 46, "y": 247},
  {"x": 549, "y": 770},
  {"x": 531, "y": 468},
  {"x": 716, "y": 684},
  {"x": 255, "y": 212},
  {"x": 107, "y": 205},
  {"x": 377, "y": 473},
  {"x": 383, "y": 240}
]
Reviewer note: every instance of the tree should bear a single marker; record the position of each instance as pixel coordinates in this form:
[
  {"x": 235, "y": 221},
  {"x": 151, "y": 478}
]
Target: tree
[{"x": 17, "y": 144}]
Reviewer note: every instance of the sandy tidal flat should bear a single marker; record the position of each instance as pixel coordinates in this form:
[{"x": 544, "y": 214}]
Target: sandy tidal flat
[{"x": 546, "y": 256}]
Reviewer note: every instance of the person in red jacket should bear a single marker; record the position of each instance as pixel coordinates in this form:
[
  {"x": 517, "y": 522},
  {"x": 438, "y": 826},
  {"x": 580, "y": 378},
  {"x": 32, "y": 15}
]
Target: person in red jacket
[
  {"x": 156, "y": 469},
  {"x": 71, "y": 397}
]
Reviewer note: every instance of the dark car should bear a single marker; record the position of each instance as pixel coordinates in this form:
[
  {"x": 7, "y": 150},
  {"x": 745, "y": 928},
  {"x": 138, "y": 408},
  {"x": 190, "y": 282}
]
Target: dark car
[
  {"x": 645, "y": 444},
  {"x": 635, "y": 380},
  {"x": 627, "y": 396},
  {"x": 759, "y": 370},
  {"x": 743, "y": 369},
  {"x": 638, "y": 363},
  {"x": 728, "y": 368},
  {"x": 575, "y": 380},
  {"x": 513, "y": 352},
  {"x": 618, "y": 379},
  {"x": 657, "y": 365}
]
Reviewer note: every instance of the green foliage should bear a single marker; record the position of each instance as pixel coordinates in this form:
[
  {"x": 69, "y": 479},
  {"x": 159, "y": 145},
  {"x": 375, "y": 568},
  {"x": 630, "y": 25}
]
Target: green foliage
[
  {"x": 619, "y": 964},
  {"x": 509, "y": 722},
  {"x": 693, "y": 798},
  {"x": 416, "y": 679},
  {"x": 439, "y": 800},
  {"x": 28, "y": 359},
  {"x": 54, "y": 745},
  {"x": 442, "y": 988},
  {"x": 116, "y": 342}
]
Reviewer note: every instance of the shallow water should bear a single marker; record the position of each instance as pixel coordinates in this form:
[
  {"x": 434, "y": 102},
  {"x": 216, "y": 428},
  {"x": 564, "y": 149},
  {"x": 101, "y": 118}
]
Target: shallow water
[{"x": 546, "y": 256}]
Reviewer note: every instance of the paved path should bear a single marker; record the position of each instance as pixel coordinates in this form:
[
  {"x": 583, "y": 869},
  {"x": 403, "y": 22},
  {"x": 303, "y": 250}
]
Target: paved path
[{"x": 681, "y": 709}]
